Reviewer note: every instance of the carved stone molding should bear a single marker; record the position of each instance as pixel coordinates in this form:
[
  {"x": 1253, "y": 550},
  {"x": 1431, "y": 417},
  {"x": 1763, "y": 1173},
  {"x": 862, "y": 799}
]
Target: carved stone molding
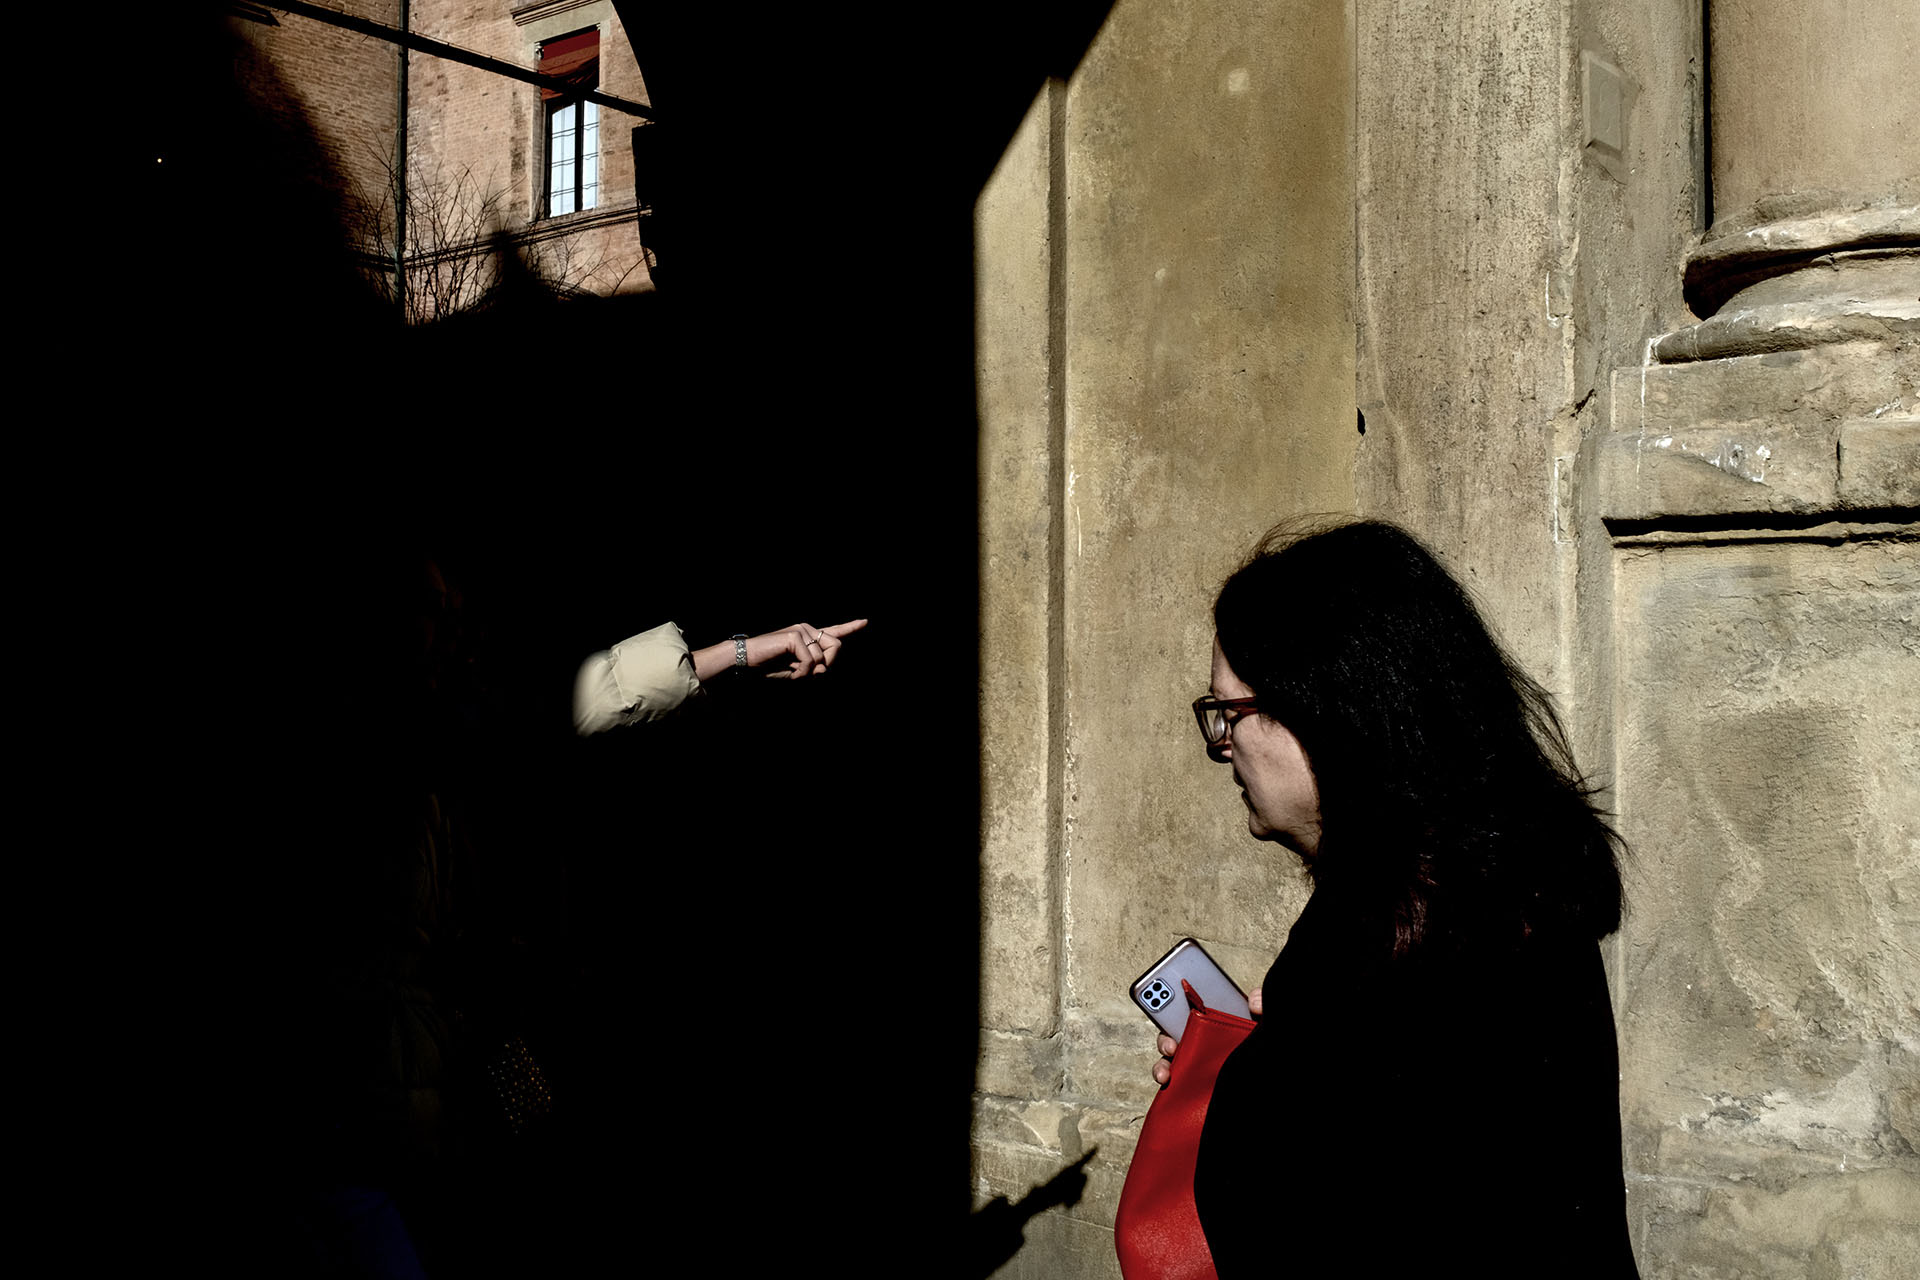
[
  {"x": 1731, "y": 263},
  {"x": 1824, "y": 432},
  {"x": 1837, "y": 297}
]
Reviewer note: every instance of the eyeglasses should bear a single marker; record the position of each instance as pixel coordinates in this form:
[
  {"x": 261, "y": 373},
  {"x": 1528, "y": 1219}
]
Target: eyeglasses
[{"x": 1218, "y": 715}]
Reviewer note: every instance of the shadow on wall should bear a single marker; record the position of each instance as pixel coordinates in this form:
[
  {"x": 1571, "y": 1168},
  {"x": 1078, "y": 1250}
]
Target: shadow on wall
[
  {"x": 999, "y": 1226},
  {"x": 750, "y": 940}
]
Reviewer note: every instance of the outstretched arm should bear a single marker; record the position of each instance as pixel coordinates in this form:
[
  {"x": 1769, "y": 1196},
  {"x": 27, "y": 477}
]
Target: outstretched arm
[
  {"x": 807, "y": 649},
  {"x": 646, "y": 676}
]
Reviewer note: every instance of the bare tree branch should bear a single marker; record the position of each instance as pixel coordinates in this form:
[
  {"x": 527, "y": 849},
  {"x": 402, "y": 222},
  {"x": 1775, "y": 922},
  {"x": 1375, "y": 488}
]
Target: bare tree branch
[{"x": 456, "y": 257}]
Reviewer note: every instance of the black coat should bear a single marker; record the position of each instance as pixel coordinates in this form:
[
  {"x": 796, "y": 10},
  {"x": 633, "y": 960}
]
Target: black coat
[{"x": 1456, "y": 1108}]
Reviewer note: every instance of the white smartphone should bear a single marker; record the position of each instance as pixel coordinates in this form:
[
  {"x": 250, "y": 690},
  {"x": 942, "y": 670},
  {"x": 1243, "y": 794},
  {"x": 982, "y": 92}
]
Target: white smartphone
[{"x": 1158, "y": 993}]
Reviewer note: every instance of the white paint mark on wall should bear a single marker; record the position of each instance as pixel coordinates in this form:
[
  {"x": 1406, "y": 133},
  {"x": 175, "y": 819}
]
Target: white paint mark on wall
[
  {"x": 1844, "y": 1120},
  {"x": 1646, "y": 360},
  {"x": 1555, "y": 301},
  {"x": 1737, "y": 460},
  {"x": 1731, "y": 456},
  {"x": 1562, "y": 498},
  {"x": 1073, "y": 509}
]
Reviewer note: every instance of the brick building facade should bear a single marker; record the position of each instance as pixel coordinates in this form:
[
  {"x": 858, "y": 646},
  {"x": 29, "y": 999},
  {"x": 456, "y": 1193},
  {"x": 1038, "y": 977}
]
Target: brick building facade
[{"x": 464, "y": 151}]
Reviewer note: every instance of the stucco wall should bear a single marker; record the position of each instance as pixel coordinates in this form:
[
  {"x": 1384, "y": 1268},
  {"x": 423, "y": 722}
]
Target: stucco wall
[
  {"x": 1166, "y": 369},
  {"x": 1770, "y": 766},
  {"x": 1525, "y": 186}
]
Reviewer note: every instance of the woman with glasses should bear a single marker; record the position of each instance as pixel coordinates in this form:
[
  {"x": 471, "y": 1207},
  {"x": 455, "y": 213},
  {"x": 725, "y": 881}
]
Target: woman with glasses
[{"x": 1433, "y": 1079}]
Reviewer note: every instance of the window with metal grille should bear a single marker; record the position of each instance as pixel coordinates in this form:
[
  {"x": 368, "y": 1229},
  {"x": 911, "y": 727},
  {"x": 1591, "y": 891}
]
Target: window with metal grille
[{"x": 573, "y": 157}]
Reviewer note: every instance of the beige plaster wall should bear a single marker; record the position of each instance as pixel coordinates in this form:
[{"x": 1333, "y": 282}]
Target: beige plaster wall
[
  {"x": 1524, "y": 189},
  {"x": 1529, "y": 186},
  {"x": 1463, "y": 294},
  {"x": 1166, "y": 369},
  {"x": 1770, "y": 784},
  {"x": 1514, "y": 207},
  {"x": 1208, "y": 393},
  {"x": 1745, "y": 499}
]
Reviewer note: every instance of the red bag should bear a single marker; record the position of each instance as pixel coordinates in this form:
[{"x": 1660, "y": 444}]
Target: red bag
[{"x": 1156, "y": 1229}]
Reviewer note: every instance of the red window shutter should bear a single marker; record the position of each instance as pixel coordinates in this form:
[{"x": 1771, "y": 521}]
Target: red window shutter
[{"x": 575, "y": 59}]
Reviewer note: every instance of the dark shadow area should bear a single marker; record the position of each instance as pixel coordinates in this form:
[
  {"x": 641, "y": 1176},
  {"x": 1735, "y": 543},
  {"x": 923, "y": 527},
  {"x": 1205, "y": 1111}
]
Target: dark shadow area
[
  {"x": 1770, "y": 526},
  {"x": 740, "y": 947}
]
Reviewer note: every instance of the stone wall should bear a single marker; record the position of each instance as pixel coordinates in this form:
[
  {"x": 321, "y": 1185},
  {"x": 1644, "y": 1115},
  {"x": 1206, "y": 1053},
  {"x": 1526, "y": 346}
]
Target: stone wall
[
  {"x": 1637, "y": 354},
  {"x": 1770, "y": 783},
  {"x": 1166, "y": 369},
  {"x": 474, "y": 140},
  {"x": 1752, "y": 568}
]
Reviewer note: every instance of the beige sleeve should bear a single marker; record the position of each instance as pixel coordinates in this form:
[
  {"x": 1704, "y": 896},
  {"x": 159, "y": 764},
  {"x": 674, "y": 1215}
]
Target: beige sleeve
[{"x": 641, "y": 678}]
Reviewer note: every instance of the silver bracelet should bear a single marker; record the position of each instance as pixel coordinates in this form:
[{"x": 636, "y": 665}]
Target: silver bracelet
[{"x": 740, "y": 652}]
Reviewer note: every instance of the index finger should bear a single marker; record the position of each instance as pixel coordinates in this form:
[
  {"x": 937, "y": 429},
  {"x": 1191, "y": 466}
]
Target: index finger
[{"x": 839, "y": 629}]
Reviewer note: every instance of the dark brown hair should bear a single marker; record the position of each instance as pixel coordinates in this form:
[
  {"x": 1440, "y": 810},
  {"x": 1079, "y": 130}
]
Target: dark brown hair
[{"x": 1450, "y": 803}]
